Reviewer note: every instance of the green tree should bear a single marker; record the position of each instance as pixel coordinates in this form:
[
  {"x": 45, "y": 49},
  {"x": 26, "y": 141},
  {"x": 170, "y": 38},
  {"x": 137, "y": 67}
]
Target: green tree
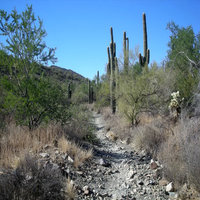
[
  {"x": 184, "y": 44},
  {"x": 146, "y": 92},
  {"x": 31, "y": 97}
]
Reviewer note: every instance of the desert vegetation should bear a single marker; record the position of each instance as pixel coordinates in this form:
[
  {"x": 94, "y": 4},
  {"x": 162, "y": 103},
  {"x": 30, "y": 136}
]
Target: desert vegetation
[
  {"x": 155, "y": 107},
  {"x": 44, "y": 110}
]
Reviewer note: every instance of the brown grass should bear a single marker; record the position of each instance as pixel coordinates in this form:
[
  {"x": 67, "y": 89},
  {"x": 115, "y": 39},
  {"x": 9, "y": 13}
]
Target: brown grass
[
  {"x": 150, "y": 137},
  {"x": 70, "y": 190},
  {"x": 18, "y": 141},
  {"x": 117, "y": 125},
  {"x": 181, "y": 151},
  {"x": 78, "y": 154}
]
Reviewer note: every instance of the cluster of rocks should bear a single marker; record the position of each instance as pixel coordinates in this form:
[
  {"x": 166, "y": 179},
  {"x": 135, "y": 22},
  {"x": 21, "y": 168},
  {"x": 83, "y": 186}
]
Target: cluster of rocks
[{"x": 114, "y": 172}]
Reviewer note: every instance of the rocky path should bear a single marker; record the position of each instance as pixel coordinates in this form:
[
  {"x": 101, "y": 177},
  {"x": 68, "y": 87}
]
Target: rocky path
[{"x": 118, "y": 172}]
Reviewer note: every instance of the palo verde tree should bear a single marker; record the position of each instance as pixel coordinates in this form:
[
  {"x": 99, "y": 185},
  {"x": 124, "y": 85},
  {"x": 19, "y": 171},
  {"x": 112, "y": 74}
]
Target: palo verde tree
[
  {"x": 30, "y": 96},
  {"x": 184, "y": 44}
]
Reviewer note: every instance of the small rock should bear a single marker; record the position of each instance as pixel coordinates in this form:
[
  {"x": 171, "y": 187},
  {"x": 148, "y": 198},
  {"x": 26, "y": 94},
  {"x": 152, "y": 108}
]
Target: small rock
[
  {"x": 170, "y": 187},
  {"x": 57, "y": 152},
  {"x": 70, "y": 159},
  {"x": 44, "y": 155},
  {"x": 132, "y": 174},
  {"x": 55, "y": 166},
  {"x": 111, "y": 135},
  {"x": 153, "y": 165},
  {"x": 163, "y": 182},
  {"x": 64, "y": 157},
  {"x": 79, "y": 172},
  {"x": 104, "y": 163},
  {"x": 86, "y": 190},
  {"x": 173, "y": 195},
  {"x": 140, "y": 183}
]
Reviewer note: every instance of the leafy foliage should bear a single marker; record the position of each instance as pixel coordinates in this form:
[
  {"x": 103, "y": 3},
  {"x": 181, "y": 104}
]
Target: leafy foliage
[
  {"x": 183, "y": 42},
  {"x": 141, "y": 93},
  {"x": 32, "y": 98}
]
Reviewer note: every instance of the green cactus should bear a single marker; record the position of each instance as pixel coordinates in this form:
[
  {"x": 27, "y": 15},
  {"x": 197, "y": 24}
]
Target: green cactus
[
  {"x": 89, "y": 92},
  {"x": 108, "y": 65},
  {"x": 116, "y": 73},
  {"x": 144, "y": 60},
  {"x": 69, "y": 91},
  {"x": 126, "y": 52},
  {"x": 112, "y": 75},
  {"x": 97, "y": 78}
]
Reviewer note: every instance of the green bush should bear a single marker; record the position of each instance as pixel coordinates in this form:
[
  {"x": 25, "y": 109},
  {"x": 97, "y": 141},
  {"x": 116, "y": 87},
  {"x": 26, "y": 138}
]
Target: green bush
[{"x": 147, "y": 92}]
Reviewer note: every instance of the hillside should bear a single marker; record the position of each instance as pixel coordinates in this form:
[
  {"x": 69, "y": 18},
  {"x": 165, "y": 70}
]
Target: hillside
[{"x": 62, "y": 74}]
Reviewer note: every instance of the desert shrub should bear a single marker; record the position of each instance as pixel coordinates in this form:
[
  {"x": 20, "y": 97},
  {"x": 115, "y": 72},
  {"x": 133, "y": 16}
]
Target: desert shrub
[
  {"x": 147, "y": 92},
  {"x": 182, "y": 151},
  {"x": 80, "y": 94},
  {"x": 190, "y": 131},
  {"x": 78, "y": 154},
  {"x": 103, "y": 95},
  {"x": 32, "y": 181},
  {"x": 80, "y": 126},
  {"x": 151, "y": 136}
]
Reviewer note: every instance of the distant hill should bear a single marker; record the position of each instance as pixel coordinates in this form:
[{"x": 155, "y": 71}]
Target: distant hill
[{"x": 62, "y": 74}]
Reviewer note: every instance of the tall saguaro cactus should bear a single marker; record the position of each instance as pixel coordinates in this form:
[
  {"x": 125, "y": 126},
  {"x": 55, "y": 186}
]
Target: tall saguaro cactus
[
  {"x": 112, "y": 75},
  {"x": 126, "y": 52},
  {"x": 108, "y": 65},
  {"x": 144, "y": 60},
  {"x": 90, "y": 93},
  {"x": 97, "y": 78}
]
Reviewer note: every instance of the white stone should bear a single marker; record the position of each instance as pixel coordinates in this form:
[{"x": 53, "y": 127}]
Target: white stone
[
  {"x": 44, "y": 155},
  {"x": 70, "y": 159},
  {"x": 170, "y": 187}
]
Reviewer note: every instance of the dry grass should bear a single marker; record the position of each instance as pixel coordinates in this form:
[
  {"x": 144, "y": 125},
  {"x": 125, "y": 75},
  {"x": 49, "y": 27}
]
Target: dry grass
[
  {"x": 181, "y": 151},
  {"x": 19, "y": 141},
  {"x": 31, "y": 181},
  {"x": 78, "y": 154},
  {"x": 150, "y": 137},
  {"x": 70, "y": 190},
  {"x": 117, "y": 125}
]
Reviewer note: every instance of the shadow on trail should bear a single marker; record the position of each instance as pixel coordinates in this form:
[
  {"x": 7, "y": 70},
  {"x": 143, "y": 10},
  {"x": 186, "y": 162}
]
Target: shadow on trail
[{"x": 111, "y": 156}]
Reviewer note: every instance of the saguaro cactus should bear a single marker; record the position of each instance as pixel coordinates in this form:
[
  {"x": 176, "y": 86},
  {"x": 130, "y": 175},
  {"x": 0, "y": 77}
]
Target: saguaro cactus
[
  {"x": 112, "y": 75},
  {"x": 90, "y": 91},
  {"x": 126, "y": 52},
  {"x": 69, "y": 91},
  {"x": 144, "y": 60},
  {"x": 97, "y": 78},
  {"x": 108, "y": 65}
]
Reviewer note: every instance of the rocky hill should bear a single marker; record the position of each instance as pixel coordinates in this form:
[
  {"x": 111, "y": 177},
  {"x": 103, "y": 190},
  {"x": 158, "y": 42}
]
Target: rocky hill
[{"x": 62, "y": 74}]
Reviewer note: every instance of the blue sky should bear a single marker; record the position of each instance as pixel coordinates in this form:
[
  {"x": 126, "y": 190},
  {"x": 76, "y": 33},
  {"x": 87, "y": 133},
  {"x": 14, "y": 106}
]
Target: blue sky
[{"x": 80, "y": 29}]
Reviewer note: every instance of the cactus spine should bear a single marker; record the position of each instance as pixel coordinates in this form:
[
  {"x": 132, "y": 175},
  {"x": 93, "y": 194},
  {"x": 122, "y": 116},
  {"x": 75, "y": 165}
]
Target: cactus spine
[
  {"x": 112, "y": 75},
  {"x": 144, "y": 60},
  {"x": 126, "y": 52}
]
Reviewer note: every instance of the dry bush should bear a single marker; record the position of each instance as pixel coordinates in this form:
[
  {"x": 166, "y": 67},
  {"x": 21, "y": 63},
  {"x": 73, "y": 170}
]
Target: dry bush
[
  {"x": 80, "y": 126},
  {"x": 32, "y": 181},
  {"x": 182, "y": 152},
  {"x": 150, "y": 137},
  {"x": 172, "y": 158},
  {"x": 190, "y": 133},
  {"x": 78, "y": 154},
  {"x": 117, "y": 124},
  {"x": 17, "y": 140}
]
